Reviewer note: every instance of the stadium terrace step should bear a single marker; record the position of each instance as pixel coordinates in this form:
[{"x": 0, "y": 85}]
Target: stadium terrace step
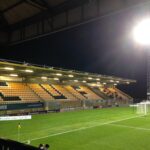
[
  {"x": 81, "y": 92},
  {"x": 50, "y": 90},
  {"x": 10, "y": 98},
  {"x": 99, "y": 93},
  {"x": 3, "y": 84},
  {"x": 74, "y": 92},
  {"x": 64, "y": 92}
]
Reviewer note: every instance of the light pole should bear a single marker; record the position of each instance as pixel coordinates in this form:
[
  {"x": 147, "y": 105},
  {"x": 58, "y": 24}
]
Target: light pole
[{"x": 141, "y": 34}]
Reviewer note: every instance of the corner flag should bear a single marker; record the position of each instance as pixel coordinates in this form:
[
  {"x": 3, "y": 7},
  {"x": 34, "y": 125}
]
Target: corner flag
[{"x": 19, "y": 127}]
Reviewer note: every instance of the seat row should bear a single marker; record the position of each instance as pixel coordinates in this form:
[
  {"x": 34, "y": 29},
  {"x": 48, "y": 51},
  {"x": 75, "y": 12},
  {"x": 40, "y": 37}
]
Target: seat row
[{"x": 47, "y": 92}]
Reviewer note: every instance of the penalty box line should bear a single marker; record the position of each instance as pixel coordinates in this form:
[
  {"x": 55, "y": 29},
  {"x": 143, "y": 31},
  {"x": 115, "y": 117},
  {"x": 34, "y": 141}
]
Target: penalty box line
[
  {"x": 131, "y": 127},
  {"x": 84, "y": 128}
]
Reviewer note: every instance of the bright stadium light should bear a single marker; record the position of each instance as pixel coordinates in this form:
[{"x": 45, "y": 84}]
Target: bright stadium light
[
  {"x": 97, "y": 79},
  {"x": 58, "y": 74},
  {"x": 29, "y": 71},
  {"x": 141, "y": 32},
  {"x": 75, "y": 80},
  {"x": 90, "y": 78},
  {"x": 56, "y": 79},
  {"x": 70, "y": 76},
  {"x": 9, "y": 68},
  {"x": 44, "y": 78},
  {"x": 93, "y": 84},
  {"x": 13, "y": 75}
]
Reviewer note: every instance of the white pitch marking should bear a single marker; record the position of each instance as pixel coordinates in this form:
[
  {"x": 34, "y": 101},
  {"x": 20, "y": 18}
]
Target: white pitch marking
[
  {"x": 84, "y": 128},
  {"x": 132, "y": 127}
]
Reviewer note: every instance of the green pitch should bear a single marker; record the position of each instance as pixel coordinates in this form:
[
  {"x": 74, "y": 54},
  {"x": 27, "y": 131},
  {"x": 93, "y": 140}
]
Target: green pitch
[{"x": 103, "y": 129}]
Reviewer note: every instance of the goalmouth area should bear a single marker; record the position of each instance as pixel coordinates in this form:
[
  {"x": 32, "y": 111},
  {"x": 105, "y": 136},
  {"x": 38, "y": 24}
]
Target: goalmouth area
[{"x": 111, "y": 128}]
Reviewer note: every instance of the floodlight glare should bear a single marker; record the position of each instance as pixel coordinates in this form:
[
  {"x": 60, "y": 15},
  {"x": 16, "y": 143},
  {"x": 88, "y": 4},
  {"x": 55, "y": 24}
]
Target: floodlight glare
[
  {"x": 13, "y": 75},
  {"x": 141, "y": 32},
  {"x": 98, "y": 79},
  {"x": 93, "y": 84},
  {"x": 9, "y": 68},
  {"x": 27, "y": 70},
  {"x": 111, "y": 80},
  {"x": 58, "y": 74},
  {"x": 75, "y": 80},
  {"x": 70, "y": 75},
  {"x": 56, "y": 79},
  {"x": 45, "y": 78}
]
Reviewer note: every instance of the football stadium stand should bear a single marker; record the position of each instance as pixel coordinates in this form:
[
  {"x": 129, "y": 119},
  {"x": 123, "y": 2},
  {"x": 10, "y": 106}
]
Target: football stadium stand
[
  {"x": 17, "y": 91},
  {"x": 74, "y": 92},
  {"x": 28, "y": 88},
  {"x": 40, "y": 91}
]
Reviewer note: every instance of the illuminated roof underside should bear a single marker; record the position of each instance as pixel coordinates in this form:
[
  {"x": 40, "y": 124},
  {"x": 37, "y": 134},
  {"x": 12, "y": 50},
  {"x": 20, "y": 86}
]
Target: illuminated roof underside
[{"x": 17, "y": 71}]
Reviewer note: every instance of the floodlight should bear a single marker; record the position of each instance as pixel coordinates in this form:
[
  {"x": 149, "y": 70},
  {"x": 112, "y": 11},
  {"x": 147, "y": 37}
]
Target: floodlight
[
  {"x": 141, "y": 32},
  {"x": 90, "y": 78},
  {"x": 70, "y": 75},
  {"x": 97, "y": 79},
  {"x": 56, "y": 79},
  {"x": 141, "y": 35},
  {"x": 44, "y": 78},
  {"x": 59, "y": 74},
  {"x": 84, "y": 81},
  {"x": 9, "y": 68},
  {"x": 13, "y": 75},
  {"x": 75, "y": 80},
  {"x": 93, "y": 84},
  {"x": 29, "y": 71}
]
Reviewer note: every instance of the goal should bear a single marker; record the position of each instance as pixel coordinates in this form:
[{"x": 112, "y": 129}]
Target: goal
[{"x": 143, "y": 108}]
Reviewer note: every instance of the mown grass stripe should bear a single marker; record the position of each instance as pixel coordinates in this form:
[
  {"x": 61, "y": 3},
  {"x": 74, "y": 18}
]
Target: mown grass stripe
[{"x": 84, "y": 128}]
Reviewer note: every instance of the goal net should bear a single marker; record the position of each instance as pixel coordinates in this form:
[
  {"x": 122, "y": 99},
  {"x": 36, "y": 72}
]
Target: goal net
[{"x": 143, "y": 108}]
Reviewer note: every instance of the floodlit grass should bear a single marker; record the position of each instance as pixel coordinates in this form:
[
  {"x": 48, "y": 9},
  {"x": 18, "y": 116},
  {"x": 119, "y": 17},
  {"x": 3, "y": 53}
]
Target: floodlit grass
[{"x": 103, "y": 129}]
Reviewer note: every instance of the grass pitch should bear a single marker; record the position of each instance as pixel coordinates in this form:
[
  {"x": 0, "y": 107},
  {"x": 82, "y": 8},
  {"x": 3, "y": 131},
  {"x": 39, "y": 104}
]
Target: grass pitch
[{"x": 102, "y": 129}]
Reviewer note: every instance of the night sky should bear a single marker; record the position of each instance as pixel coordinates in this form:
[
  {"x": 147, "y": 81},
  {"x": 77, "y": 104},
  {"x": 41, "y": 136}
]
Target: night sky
[{"x": 104, "y": 46}]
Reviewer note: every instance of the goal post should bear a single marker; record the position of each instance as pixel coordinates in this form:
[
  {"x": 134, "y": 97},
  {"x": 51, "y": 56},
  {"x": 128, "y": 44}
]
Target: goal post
[{"x": 143, "y": 108}]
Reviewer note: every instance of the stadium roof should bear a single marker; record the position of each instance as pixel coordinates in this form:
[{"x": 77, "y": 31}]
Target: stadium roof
[
  {"x": 22, "y": 20},
  {"x": 10, "y": 70},
  {"x": 14, "y": 11}
]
